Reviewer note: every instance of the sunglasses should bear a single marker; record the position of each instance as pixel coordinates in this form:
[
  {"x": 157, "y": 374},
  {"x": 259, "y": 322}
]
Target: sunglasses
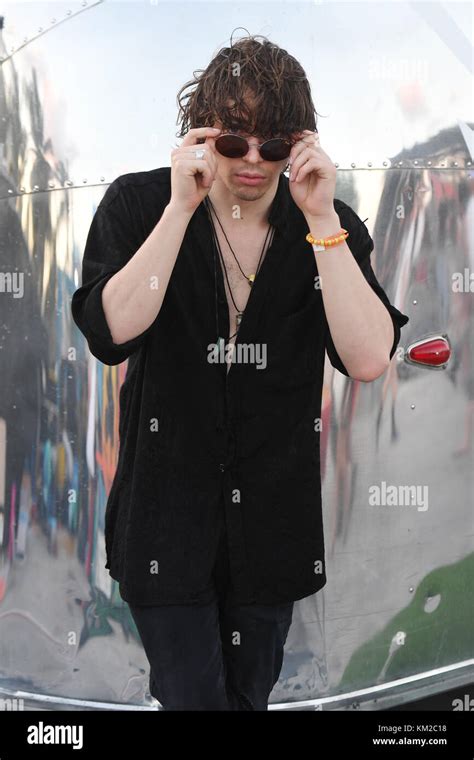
[{"x": 235, "y": 146}]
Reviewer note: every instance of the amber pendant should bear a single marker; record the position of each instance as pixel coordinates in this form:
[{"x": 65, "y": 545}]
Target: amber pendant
[{"x": 251, "y": 279}]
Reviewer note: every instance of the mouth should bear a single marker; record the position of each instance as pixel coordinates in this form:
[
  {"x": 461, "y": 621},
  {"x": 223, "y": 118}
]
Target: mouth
[{"x": 247, "y": 178}]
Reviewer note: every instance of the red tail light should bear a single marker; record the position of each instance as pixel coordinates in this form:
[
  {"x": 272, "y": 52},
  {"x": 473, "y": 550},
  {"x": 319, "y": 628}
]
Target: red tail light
[{"x": 430, "y": 352}]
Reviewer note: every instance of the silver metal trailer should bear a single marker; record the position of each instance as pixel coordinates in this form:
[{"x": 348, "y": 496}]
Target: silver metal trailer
[{"x": 87, "y": 92}]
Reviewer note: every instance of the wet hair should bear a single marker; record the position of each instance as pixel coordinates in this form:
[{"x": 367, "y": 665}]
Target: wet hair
[{"x": 254, "y": 87}]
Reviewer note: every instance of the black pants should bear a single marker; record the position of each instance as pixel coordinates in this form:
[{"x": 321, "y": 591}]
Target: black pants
[{"x": 216, "y": 656}]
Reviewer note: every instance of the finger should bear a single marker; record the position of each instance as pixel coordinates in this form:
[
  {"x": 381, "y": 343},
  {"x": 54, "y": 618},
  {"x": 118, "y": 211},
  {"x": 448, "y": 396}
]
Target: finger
[
  {"x": 207, "y": 147},
  {"x": 311, "y": 138},
  {"x": 196, "y": 166},
  {"x": 298, "y": 148},
  {"x": 207, "y": 155},
  {"x": 190, "y": 152},
  {"x": 194, "y": 134},
  {"x": 207, "y": 176},
  {"x": 212, "y": 164},
  {"x": 304, "y": 153},
  {"x": 310, "y": 166},
  {"x": 211, "y": 142}
]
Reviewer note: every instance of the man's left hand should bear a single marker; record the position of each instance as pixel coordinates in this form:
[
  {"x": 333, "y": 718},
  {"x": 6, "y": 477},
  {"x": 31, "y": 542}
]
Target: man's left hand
[{"x": 312, "y": 176}]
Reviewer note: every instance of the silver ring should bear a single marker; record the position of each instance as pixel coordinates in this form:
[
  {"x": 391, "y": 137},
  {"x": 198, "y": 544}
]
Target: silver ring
[{"x": 199, "y": 153}]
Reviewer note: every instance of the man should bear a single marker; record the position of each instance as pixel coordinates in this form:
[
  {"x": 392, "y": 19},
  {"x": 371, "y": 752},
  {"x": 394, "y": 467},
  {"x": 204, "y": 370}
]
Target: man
[{"x": 202, "y": 277}]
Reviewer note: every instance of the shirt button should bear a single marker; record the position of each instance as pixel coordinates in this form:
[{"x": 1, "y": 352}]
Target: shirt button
[{"x": 222, "y": 467}]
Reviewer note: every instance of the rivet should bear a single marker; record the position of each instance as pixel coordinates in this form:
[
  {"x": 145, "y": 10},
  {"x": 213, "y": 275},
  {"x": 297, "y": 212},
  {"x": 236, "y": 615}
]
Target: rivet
[
  {"x": 25, "y": 39},
  {"x": 400, "y": 163},
  {"x": 53, "y": 20},
  {"x": 353, "y": 166},
  {"x": 40, "y": 29},
  {"x": 69, "y": 182},
  {"x": 10, "y": 190},
  {"x": 456, "y": 163},
  {"x": 68, "y": 13},
  {"x": 51, "y": 184},
  {"x": 416, "y": 163},
  {"x": 35, "y": 188},
  {"x": 385, "y": 163},
  {"x": 411, "y": 589},
  {"x": 84, "y": 181},
  {"x": 102, "y": 179},
  {"x": 412, "y": 406},
  {"x": 468, "y": 163},
  {"x": 336, "y": 165},
  {"x": 414, "y": 301},
  {"x": 22, "y": 189},
  {"x": 443, "y": 165},
  {"x": 429, "y": 163},
  {"x": 369, "y": 163}
]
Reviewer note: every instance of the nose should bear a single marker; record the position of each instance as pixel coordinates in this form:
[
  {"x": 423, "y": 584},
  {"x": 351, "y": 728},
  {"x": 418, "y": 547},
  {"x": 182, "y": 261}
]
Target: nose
[{"x": 253, "y": 155}]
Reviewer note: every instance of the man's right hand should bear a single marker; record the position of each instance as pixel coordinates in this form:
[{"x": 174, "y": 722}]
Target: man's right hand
[{"x": 191, "y": 177}]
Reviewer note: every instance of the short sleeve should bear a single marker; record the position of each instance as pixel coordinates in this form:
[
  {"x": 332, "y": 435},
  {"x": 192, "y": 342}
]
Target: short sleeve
[
  {"x": 111, "y": 242},
  {"x": 361, "y": 246}
]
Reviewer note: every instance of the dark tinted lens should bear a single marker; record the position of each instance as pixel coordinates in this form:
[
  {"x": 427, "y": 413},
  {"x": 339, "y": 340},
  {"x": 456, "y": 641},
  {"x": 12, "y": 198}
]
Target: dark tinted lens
[
  {"x": 275, "y": 150},
  {"x": 231, "y": 146}
]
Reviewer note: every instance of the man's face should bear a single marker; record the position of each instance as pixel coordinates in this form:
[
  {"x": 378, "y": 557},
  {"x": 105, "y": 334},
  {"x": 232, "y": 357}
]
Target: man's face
[{"x": 232, "y": 171}]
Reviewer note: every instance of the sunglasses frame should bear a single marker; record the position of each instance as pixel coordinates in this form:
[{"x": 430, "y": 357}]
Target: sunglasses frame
[{"x": 258, "y": 145}]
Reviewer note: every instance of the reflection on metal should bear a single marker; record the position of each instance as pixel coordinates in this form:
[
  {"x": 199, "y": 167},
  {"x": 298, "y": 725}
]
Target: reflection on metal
[
  {"x": 390, "y": 693},
  {"x": 394, "y": 619},
  {"x": 42, "y": 30},
  {"x": 378, "y": 697},
  {"x": 11, "y": 192},
  {"x": 32, "y": 701}
]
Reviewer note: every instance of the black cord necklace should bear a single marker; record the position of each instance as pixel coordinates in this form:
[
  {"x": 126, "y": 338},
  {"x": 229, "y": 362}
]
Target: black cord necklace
[{"x": 250, "y": 278}]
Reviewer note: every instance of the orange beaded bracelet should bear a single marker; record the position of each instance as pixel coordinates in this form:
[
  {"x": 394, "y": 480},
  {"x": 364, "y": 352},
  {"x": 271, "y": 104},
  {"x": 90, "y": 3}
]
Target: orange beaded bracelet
[{"x": 320, "y": 244}]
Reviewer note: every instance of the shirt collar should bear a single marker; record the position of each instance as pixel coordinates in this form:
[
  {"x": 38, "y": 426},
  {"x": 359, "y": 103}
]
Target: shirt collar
[{"x": 279, "y": 210}]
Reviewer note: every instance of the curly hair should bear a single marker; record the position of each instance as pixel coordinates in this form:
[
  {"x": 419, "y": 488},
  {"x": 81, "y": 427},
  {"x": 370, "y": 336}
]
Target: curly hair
[{"x": 254, "y": 87}]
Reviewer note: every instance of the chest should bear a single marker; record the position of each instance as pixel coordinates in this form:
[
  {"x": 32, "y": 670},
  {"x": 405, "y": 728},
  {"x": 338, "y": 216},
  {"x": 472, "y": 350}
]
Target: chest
[{"x": 245, "y": 259}]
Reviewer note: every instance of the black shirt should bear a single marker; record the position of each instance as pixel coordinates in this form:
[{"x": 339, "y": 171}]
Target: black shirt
[{"x": 198, "y": 444}]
